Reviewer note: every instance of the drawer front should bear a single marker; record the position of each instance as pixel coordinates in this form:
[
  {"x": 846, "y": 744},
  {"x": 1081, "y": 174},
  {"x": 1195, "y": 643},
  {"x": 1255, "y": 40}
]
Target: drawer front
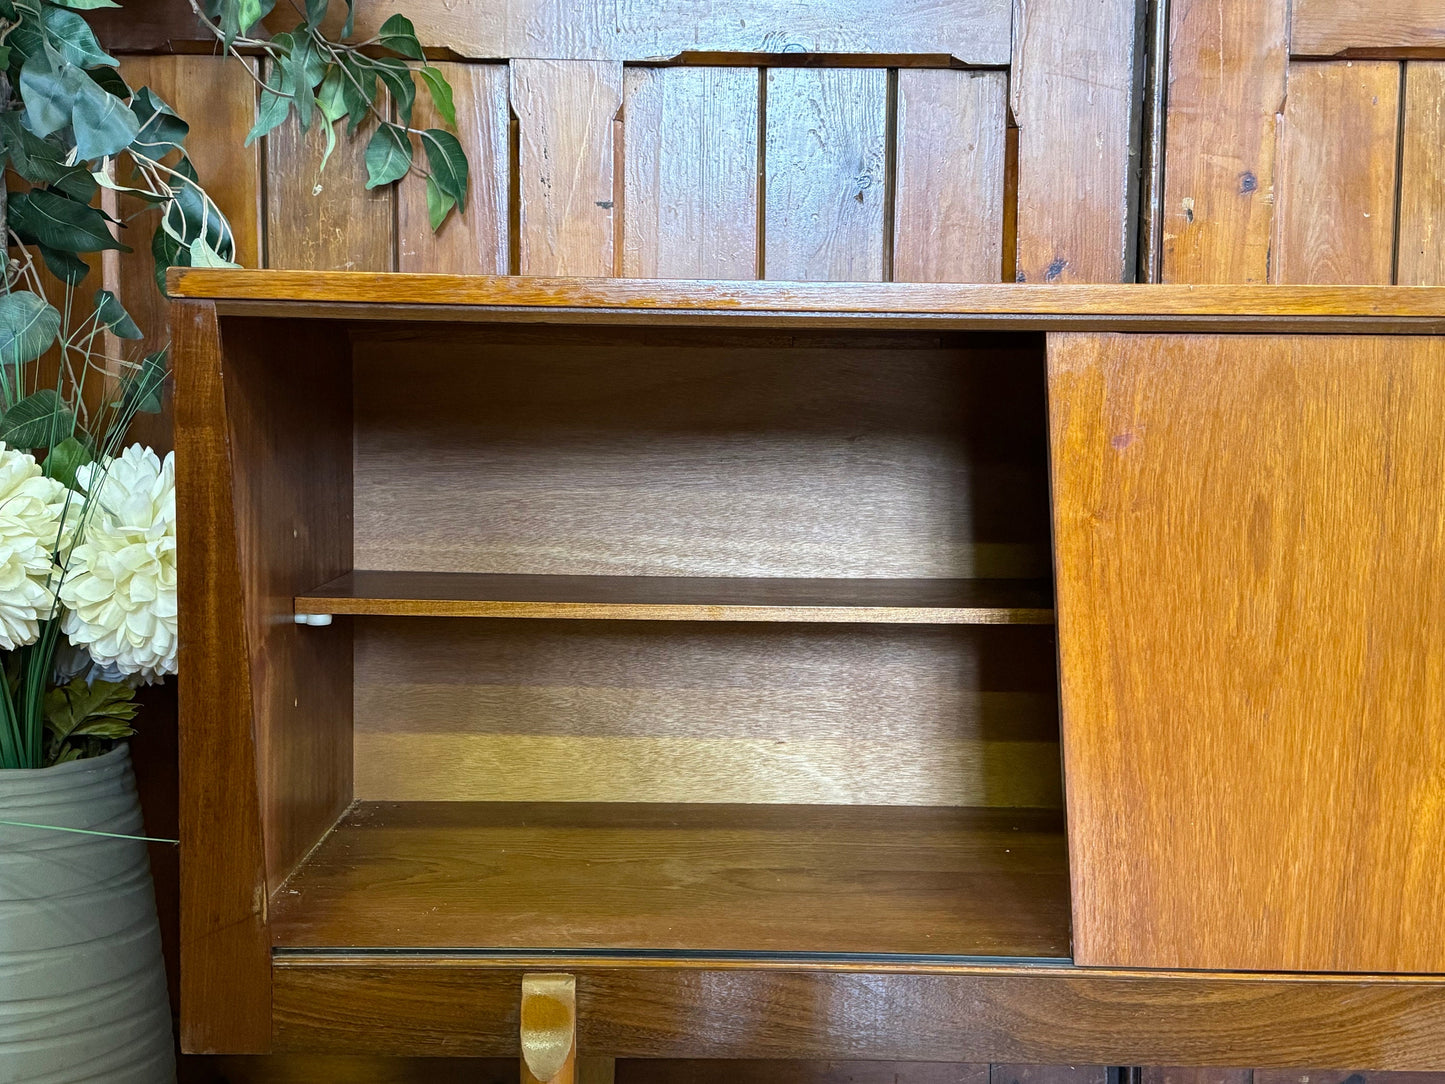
[
  {"x": 1031, "y": 1015},
  {"x": 1251, "y": 571}
]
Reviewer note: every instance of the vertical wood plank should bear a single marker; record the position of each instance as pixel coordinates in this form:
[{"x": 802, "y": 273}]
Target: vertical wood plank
[
  {"x": 690, "y": 208},
  {"x": 1047, "y": 1074},
  {"x": 218, "y": 99},
  {"x": 342, "y": 227},
  {"x": 1073, "y": 98},
  {"x": 1181, "y": 1075},
  {"x": 566, "y": 167},
  {"x": 1242, "y": 642},
  {"x": 226, "y": 946},
  {"x": 1422, "y": 177},
  {"x": 473, "y": 242},
  {"x": 826, "y": 174},
  {"x": 1227, "y": 64},
  {"x": 948, "y": 204},
  {"x": 1335, "y": 209}
]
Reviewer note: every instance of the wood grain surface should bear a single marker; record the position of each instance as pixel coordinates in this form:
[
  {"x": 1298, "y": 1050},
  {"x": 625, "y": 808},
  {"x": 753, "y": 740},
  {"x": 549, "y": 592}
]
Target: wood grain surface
[
  {"x": 566, "y": 164},
  {"x": 1420, "y": 259},
  {"x": 1227, "y": 69},
  {"x": 289, "y": 429},
  {"x": 226, "y": 964},
  {"x": 826, "y": 136},
  {"x": 639, "y": 454},
  {"x": 324, "y": 219},
  {"x": 1072, "y": 94},
  {"x": 676, "y": 712},
  {"x": 975, "y": 31},
  {"x": 690, "y": 205},
  {"x": 453, "y": 875},
  {"x": 451, "y": 293},
  {"x": 948, "y": 204},
  {"x": 1242, "y": 644},
  {"x": 1384, "y": 28},
  {"x": 1017, "y": 1016},
  {"x": 474, "y": 239},
  {"x": 682, "y": 598},
  {"x": 1335, "y": 221}
]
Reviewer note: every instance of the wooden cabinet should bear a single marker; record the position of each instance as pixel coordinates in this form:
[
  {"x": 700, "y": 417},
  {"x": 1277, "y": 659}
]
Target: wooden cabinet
[{"x": 697, "y": 641}]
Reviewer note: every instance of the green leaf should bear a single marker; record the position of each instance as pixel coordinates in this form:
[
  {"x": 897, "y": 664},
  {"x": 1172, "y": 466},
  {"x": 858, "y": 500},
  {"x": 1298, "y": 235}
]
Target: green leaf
[
  {"x": 331, "y": 94},
  {"x": 65, "y": 459},
  {"x": 388, "y": 156},
  {"x": 102, "y": 123},
  {"x": 397, "y": 77},
  {"x": 98, "y": 709},
  {"x": 87, "y": 5},
  {"x": 108, "y": 79},
  {"x": 398, "y": 35},
  {"x": 42, "y": 161},
  {"x": 161, "y": 131},
  {"x": 238, "y": 17},
  {"x": 438, "y": 203},
  {"x": 275, "y": 107},
  {"x": 111, "y": 313},
  {"x": 202, "y": 255},
  {"x": 71, "y": 34},
  {"x": 48, "y": 218},
  {"x": 308, "y": 68},
  {"x": 28, "y": 325},
  {"x": 141, "y": 390},
  {"x": 49, "y": 87},
  {"x": 166, "y": 252},
  {"x": 441, "y": 93},
  {"x": 37, "y": 421},
  {"x": 315, "y": 12},
  {"x": 349, "y": 27},
  {"x": 447, "y": 162},
  {"x": 358, "y": 92},
  {"x": 66, "y": 266}
]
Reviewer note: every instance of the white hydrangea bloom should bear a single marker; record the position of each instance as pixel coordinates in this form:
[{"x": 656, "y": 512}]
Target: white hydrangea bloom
[
  {"x": 32, "y": 507},
  {"x": 120, "y": 584}
]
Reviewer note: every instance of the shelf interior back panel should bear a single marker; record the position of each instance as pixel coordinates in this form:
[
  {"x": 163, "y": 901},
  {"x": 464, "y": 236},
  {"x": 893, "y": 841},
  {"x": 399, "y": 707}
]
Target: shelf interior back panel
[
  {"x": 739, "y": 465},
  {"x": 682, "y": 878}
]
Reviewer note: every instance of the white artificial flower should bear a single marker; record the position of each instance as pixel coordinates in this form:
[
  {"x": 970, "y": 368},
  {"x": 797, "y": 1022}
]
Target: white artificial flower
[
  {"x": 120, "y": 583},
  {"x": 32, "y": 507}
]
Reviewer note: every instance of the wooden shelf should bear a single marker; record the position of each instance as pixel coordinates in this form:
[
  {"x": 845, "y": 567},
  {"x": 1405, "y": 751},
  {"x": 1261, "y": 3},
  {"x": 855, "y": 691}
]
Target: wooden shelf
[
  {"x": 691, "y": 878},
  {"x": 387, "y": 295},
  {"x": 679, "y": 598}
]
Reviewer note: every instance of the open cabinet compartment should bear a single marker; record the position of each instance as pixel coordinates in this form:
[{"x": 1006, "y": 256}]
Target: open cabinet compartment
[{"x": 786, "y": 682}]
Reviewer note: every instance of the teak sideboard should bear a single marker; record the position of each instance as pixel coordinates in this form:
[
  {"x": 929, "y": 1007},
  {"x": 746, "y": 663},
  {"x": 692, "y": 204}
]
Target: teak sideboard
[{"x": 953, "y": 673}]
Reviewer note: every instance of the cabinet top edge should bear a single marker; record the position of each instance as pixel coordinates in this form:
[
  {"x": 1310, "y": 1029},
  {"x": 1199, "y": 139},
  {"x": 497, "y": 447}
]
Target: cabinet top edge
[{"x": 393, "y": 295}]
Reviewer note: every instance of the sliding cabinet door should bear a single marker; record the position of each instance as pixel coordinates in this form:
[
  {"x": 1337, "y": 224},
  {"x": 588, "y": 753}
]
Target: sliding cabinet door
[{"x": 1251, "y": 603}]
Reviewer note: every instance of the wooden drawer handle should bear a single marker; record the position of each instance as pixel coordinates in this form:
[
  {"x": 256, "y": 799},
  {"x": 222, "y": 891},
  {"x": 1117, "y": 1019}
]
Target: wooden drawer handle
[{"x": 549, "y": 1029}]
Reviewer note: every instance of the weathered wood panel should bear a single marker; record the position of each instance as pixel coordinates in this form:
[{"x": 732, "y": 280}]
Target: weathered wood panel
[
  {"x": 316, "y": 220},
  {"x": 825, "y": 160},
  {"x": 566, "y": 164},
  {"x": 690, "y": 204},
  {"x": 1227, "y": 66},
  {"x": 1242, "y": 643},
  {"x": 948, "y": 204},
  {"x": 1378, "y": 28},
  {"x": 975, "y": 31},
  {"x": 474, "y": 241},
  {"x": 1072, "y": 89},
  {"x": 1335, "y": 205},
  {"x": 1421, "y": 251}
]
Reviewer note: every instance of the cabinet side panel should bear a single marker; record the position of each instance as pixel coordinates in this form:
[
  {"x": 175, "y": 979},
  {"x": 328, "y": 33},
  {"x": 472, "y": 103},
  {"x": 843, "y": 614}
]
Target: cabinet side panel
[
  {"x": 288, "y": 395},
  {"x": 1250, "y": 557},
  {"x": 225, "y": 948}
]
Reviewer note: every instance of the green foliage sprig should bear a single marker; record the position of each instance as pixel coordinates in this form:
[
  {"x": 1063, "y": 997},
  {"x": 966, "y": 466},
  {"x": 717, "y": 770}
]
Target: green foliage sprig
[{"x": 312, "y": 76}]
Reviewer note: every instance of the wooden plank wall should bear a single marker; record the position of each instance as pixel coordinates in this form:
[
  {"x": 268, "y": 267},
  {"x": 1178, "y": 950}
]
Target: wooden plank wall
[{"x": 1303, "y": 142}]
